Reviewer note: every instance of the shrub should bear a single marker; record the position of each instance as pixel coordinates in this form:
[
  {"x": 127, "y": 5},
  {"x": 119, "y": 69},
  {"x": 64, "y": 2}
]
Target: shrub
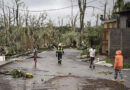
[
  {"x": 84, "y": 52},
  {"x": 109, "y": 61}
]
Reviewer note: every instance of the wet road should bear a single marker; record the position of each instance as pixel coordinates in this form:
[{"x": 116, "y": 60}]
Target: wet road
[{"x": 70, "y": 75}]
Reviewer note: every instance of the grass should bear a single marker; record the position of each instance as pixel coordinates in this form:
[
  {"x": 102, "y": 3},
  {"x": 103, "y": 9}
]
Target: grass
[
  {"x": 106, "y": 72},
  {"x": 126, "y": 65},
  {"x": 108, "y": 60},
  {"x": 79, "y": 48}
]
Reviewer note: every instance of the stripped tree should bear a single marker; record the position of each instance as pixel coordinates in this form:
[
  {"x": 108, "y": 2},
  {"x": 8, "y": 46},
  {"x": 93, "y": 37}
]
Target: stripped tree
[
  {"x": 18, "y": 4},
  {"x": 82, "y": 8}
]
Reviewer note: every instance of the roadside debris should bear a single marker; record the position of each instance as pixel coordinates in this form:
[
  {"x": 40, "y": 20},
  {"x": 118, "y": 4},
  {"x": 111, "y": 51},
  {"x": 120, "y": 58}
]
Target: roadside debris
[
  {"x": 29, "y": 75},
  {"x": 83, "y": 56},
  {"x": 18, "y": 74},
  {"x": 105, "y": 72},
  {"x": 43, "y": 79},
  {"x": 85, "y": 60},
  {"x": 5, "y": 72},
  {"x": 103, "y": 63}
]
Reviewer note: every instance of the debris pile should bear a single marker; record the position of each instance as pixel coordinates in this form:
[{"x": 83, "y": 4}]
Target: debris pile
[{"x": 18, "y": 74}]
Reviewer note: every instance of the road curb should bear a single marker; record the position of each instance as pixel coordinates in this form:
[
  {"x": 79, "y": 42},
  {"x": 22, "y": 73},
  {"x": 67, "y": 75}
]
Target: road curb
[
  {"x": 11, "y": 61},
  {"x": 6, "y": 62}
]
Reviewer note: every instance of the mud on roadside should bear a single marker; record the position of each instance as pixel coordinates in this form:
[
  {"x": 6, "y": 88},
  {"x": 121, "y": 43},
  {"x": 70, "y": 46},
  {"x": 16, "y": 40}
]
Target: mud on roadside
[{"x": 82, "y": 83}]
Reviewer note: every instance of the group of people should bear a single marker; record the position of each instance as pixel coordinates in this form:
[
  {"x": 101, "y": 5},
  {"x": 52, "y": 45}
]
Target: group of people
[{"x": 118, "y": 65}]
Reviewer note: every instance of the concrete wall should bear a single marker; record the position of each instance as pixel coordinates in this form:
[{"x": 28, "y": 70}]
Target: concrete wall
[
  {"x": 114, "y": 42},
  {"x": 119, "y": 39},
  {"x": 123, "y": 19},
  {"x": 126, "y": 42}
]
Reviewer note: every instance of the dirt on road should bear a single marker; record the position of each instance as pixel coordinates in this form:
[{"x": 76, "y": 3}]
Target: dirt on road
[{"x": 81, "y": 83}]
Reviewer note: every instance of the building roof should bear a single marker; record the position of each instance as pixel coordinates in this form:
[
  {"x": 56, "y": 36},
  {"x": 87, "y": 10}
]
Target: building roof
[
  {"x": 112, "y": 20},
  {"x": 124, "y": 12}
]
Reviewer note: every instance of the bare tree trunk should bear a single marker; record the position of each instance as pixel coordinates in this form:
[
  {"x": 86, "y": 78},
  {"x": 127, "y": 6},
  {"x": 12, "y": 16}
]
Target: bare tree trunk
[
  {"x": 26, "y": 17},
  {"x": 72, "y": 21},
  {"x": 18, "y": 4},
  {"x": 9, "y": 18},
  {"x": 5, "y": 22},
  {"x": 14, "y": 16},
  {"x": 82, "y": 8},
  {"x": 97, "y": 20},
  {"x": 3, "y": 9},
  {"x": 75, "y": 20},
  {"x": 17, "y": 14}
]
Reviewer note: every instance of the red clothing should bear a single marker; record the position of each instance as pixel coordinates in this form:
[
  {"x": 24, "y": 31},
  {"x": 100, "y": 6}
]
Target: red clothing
[
  {"x": 35, "y": 59},
  {"x": 118, "y": 60}
]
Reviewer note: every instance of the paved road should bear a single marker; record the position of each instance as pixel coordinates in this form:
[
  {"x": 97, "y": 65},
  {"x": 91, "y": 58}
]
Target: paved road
[{"x": 56, "y": 77}]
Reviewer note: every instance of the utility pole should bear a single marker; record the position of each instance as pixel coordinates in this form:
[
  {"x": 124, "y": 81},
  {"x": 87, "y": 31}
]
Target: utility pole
[
  {"x": 72, "y": 21},
  {"x": 113, "y": 3},
  {"x": 105, "y": 7}
]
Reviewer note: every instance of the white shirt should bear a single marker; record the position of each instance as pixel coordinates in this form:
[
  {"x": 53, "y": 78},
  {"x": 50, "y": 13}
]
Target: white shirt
[
  {"x": 92, "y": 52},
  {"x": 35, "y": 50}
]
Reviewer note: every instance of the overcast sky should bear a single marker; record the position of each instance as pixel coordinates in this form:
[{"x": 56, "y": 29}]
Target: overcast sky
[{"x": 65, "y": 13}]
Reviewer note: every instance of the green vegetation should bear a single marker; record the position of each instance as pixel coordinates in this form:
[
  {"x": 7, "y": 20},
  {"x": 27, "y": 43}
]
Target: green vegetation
[
  {"x": 125, "y": 65},
  {"x": 22, "y": 32},
  {"x": 121, "y": 6},
  {"x": 22, "y": 39},
  {"x": 84, "y": 52},
  {"x": 109, "y": 61},
  {"x": 92, "y": 35},
  {"x": 105, "y": 72},
  {"x": 18, "y": 74}
]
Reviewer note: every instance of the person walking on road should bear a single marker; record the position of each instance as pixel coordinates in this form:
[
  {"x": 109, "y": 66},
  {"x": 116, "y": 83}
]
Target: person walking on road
[
  {"x": 92, "y": 53},
  {"x": 59, "y": 53},
  {"x": 118, "y": 65},
  {"x": 35, "y": 55}
]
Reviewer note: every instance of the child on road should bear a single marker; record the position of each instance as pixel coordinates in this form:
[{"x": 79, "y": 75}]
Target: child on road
[
  {"x": 118, "y": 65},
  {"x": 92, "y": 53},
  {"x": 35, "y": 55}
]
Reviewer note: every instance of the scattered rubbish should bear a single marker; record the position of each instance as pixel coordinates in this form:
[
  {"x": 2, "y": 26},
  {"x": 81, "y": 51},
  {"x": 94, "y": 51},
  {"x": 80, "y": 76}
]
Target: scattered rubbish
[
  {"x": 106, "y": 72},
  {"x": 29, "y": 75},
  {"x": 83, "y": 56},
  {"x": 43, "y": 79},
  {"x": 69, "y": 73},
  {"x": 85, "y": 60},
  {"x": 98, "y": 59},
  {"x": 18, "y": 60},
  {"x": 103, "y": 63}
]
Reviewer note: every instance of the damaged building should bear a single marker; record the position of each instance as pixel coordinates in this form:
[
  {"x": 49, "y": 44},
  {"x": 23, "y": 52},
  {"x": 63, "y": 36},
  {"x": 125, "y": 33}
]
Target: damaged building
[{"x": 116, "y": 35}]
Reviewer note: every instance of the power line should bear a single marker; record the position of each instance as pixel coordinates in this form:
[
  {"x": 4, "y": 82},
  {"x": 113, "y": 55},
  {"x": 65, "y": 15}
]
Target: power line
[{"x": 49, "y": 9}]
